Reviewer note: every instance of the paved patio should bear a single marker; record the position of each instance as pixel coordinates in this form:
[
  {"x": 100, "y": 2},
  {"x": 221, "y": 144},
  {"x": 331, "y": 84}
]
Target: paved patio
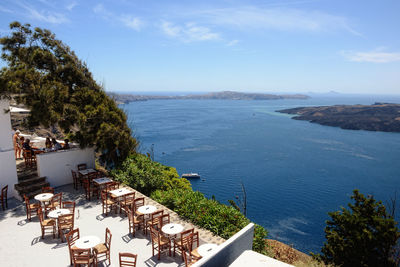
[{"x": 21, "y": 243}]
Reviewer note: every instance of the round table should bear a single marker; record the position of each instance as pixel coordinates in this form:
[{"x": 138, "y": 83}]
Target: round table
[
  {"x": 172, "y": 229},
  {"x": 86, "y": 242},
  {"x": 147, "y": 209},
  {"x": 206, "y": 249},
  {"x": 44, "y": 197},
  {"x": 57, "y": 212}
]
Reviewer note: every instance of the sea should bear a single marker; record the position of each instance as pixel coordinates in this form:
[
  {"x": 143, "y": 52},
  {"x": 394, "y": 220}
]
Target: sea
[{"x": 293, "y": 172}]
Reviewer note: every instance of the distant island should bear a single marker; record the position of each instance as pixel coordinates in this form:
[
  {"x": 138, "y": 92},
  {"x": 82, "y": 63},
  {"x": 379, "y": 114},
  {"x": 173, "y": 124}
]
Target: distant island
[
  {"x": 226, "y": 95},
  {"x": 383, "y": 117}
]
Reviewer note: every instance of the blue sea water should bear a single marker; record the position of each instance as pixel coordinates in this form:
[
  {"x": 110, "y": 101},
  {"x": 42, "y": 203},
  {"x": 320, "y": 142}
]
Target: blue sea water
[{"x": 294, "y": 172}]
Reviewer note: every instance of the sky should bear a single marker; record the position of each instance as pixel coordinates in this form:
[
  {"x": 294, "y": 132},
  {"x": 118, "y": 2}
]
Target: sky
[{"x": 283, "y": 46}]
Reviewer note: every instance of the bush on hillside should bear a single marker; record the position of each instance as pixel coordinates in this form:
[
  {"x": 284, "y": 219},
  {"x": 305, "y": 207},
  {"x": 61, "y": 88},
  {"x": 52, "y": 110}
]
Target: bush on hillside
[
  {"x": 146, "y": 176},
  {"x": 220, "y": 219},
  {"x": 363, "y": 235}
]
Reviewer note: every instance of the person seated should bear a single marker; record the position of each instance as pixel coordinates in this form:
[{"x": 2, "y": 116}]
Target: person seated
[
  {"x": 56, "y": 144},
  {"x": 48, "y": 143},
  {"x": 27, "y": 146},
  {"x": 66, "y": 144}
]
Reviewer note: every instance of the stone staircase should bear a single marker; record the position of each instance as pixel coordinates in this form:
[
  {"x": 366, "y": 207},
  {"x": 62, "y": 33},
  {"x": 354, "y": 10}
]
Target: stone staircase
[{"x": 29, "y": 183}]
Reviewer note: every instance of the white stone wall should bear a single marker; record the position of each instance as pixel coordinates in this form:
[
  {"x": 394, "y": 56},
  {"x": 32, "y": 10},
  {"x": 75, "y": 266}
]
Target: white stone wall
[
  {"x": 56, "y": 166},
  {"x": 8, "y": 169}
]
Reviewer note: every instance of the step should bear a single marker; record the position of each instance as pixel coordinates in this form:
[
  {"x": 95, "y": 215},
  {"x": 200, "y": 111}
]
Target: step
[
  {"x": 32, "y": 194},
  {"x": 31, "y": 188},
  {"x": 30, "y": 181}
]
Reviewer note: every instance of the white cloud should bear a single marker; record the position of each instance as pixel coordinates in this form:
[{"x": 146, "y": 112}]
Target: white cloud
[
  {"x": 132, "y": 22},
  {"x": 282, "y": 19},
  {"x": 189, "y": 32},
  {"x": 375, "y": 56},
  {"x": 47, "y": 16},
  {"x": 233, "y": 43},
  {"x": 71, "y": 5}
]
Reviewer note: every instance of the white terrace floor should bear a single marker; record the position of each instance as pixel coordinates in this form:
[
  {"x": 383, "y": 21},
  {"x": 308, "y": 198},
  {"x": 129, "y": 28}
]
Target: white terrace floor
[{"x": 21, "y": 243}]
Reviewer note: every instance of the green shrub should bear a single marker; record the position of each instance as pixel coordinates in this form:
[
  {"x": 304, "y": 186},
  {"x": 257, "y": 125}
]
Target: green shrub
[
  {"x": 218, "y": 218},
  {"x": 145, "y": 175},
  {"x": 364, "y": 235}
]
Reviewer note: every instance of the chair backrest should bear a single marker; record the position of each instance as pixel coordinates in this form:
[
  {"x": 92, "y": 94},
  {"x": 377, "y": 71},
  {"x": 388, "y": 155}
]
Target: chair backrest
[
  {"x": 74, "y": 175},
  {"x": 185, "y": 235},
  {"x": 164, "y": 219},
  {"x": 92, "y": 175},
  {"x": 129, "y": 199},
  {"x": 156, "y": 214},
  {"x": 82, "y": 166},
  {"x": 69, "y": 205},
  {"x": 47, "y": 189},
  {"x": 81, "y": 256},
  {"x": 194, "y": 240},
  {"x": 66, "y": 220},
  {"x": 40, "y": 215},
  {"x": 4, "y": 192},
  {"x": 26, "y": 199},
  {"x": 112, "y": 186},
  {"x": 72, "y": 236},
  {"x": 108, "y": 238},
  {"x": 57, "y": 199},
  {"x": 127, "y": 260},
  {"x": 138, "y": 202},
  {"x": 155, "y": 235}
]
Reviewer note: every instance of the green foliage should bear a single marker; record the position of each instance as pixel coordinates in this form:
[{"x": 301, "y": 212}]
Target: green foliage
[
  {"x": 220, "y": 219},
  {"x": 145, "y": 175},
  {"x": 363, "y": 235},
  {"x": 45, "y": 75}
]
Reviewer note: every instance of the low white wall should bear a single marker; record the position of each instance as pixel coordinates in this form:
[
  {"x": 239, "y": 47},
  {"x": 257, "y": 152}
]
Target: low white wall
[
  {"x": 8, "y": 168},
  {"x": 231, "y": 249},
  {"x": 57, "y": 166}
]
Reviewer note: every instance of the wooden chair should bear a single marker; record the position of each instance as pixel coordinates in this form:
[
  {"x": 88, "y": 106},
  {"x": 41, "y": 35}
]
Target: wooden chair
[
  {"x": 105, "y": 247},
  {"x": 183, "y": 239},
  {"x": 127, "y": 202},
  {"x": 55, "y": 202},
  {"x": 127, "y": 260},
  {"x": 31, "y": 208},
  {"x": 194, "y": 244},
  {"x": 71, "y": 237},
  {"x": 134, "y": 221},
  {"x": 112, "y": 186},
  {"x": 187, "y": 256},
  {"x": 83, "y": 257},
  {"x": 82, "y": 166},
  {"x": 154, "y": 220},
  {"x": 159, "y": 242},
  {"x": 89, "y": 189},
  {"x": 47, "y": 189},
  {"x": 30, "y": 158},
  {"x": 70, "y": 205},
  {"x": 65, "y": 225},
  {"x": 4, "y": 201},
  {"x": 138, "y": 202},
  {"x": 164, "y": 219},
  {"x": 46, "y": 224},
  {"x": 107, "y": 202},
  {"x": 75, "y": 179}
]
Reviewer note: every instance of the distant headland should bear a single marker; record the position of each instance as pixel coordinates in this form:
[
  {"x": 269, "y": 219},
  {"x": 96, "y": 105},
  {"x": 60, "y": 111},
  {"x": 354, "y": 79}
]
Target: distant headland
[
  {"x": 383, "y": 117},
  {"x": 225, "y": 95}
]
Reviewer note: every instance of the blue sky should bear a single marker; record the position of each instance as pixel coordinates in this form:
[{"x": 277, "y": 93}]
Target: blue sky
[{"x": 250, "y": 46}]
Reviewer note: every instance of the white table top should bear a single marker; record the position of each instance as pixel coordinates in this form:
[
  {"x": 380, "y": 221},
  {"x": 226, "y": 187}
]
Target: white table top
[
  {"x": 44, "y": 197},
  {"x": 57, "y": 212},
  {"x": 86, "y": 242},
  {"x": 172, "y": 228},
  {"x": 120, "y": 192},
  {"x": 87, "y": 171},
  {"x": 103, "y": 180},
  {"x": 206, "y": 249},
  {"x": 147, "y": 209}
]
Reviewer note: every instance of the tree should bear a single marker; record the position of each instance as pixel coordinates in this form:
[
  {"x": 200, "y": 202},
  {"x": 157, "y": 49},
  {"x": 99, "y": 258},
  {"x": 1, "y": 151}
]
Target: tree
[
  {"x": 363, "y": 235},
  {"x": 45, "y": 75}
]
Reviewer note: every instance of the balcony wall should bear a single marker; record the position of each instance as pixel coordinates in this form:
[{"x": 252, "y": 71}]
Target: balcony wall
[{"x": 57, "y": 166}]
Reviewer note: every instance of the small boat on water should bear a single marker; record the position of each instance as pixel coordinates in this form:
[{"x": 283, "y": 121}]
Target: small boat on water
[{"x": 190, "y": 175}]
